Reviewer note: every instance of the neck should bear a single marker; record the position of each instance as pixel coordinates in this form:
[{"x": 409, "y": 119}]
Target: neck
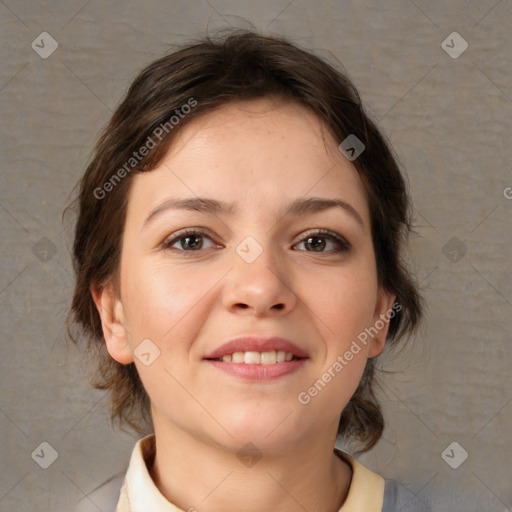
[{"x": 197, "y": 475}]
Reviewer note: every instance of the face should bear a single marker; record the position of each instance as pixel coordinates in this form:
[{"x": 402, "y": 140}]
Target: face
[{"x": 192, "y": 279}]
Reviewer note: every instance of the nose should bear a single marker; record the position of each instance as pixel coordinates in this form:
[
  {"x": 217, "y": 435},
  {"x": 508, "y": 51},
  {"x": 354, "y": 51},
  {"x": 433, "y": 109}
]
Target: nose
[{"x": 259, "y": 288}]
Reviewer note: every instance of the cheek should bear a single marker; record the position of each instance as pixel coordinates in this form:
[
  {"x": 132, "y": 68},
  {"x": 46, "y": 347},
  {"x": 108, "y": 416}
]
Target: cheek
[
  {"x": 167, "y": 304},
  {"x": 345, "y": 302},
  {"x": 346, "y": 306},
  {"x": 161, "y": 297}
]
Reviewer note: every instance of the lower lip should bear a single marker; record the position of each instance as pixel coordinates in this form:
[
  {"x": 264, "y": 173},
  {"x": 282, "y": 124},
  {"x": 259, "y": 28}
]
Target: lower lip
[{"x": 259, "y": 371}]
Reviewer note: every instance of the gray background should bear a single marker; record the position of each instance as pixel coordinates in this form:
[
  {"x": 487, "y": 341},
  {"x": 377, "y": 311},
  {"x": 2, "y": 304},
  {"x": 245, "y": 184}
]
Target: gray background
[{"x": 449, "y": 120}]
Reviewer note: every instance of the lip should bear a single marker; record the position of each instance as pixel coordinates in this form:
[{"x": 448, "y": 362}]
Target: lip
[
  {"x": 256, "y": 344},
  {"x": 259, "y": 372}
]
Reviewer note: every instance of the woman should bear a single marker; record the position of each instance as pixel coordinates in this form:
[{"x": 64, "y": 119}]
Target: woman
[{"x": 238, "y": 266}]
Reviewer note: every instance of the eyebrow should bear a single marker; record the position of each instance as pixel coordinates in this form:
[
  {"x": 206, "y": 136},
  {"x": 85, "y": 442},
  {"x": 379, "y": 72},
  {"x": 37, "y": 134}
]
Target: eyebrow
[{"x": 297, "y": 208}]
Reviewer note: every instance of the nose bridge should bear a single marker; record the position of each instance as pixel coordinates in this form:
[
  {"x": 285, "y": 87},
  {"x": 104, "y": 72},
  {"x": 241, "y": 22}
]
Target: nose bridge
[{"x": 259, "y": 278}]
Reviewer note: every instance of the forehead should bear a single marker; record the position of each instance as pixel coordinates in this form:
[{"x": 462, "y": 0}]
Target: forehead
[
  {"x": 261, "y": 152},
  {"x": 291, "y": 126}
]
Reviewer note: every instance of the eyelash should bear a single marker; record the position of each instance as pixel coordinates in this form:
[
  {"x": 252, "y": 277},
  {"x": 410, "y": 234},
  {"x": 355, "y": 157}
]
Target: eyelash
[{"x": 343, "y": 244}]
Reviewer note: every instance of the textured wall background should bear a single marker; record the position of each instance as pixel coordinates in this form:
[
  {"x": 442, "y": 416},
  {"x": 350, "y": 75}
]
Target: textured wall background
[{"x": 447, "y": 110}]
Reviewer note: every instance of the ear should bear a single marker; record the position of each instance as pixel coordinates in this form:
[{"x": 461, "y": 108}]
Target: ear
[
  {"x": 111, "y": 312},
  {"x": 383, "y": 313}
]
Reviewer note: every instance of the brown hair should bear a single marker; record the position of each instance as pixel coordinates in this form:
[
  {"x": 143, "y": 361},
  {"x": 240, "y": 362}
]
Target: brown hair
[{"x": 203, "y": 76}]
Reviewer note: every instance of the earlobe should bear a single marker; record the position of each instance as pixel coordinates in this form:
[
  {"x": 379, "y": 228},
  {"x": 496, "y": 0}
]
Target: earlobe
[
  {"x": 381, "y": 318},
  {"x": 113, "y": 323}
]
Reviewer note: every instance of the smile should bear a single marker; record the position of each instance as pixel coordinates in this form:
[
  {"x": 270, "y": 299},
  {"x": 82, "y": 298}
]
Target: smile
[{"x": 253, "y": 357}]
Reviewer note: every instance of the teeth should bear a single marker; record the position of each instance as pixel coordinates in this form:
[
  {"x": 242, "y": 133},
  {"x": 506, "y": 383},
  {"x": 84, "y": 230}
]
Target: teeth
[
  {"x": 238, "y": 357},
  {"x": 268, "y": 357},
  {"x": 251, "y": 357}
]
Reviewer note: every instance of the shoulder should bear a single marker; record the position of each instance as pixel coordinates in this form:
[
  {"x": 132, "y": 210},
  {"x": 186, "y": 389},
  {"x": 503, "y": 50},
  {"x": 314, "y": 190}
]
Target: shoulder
[
  {"x": 397, "y": 497},
  {"x": 105, "y": 497}
]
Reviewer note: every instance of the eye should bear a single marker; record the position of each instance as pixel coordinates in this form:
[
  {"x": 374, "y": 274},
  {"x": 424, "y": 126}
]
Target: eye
[
  {"x": 190, "y": 240},
  {"x": 317, "y": 241}
]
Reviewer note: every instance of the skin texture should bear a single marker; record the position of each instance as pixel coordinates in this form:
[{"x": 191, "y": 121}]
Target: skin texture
[{"x": 261, "y": 155}]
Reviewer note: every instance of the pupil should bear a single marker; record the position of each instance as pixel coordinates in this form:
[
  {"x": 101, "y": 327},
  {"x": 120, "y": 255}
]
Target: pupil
[
  {"x": 316, "y": 246},
  {"x": 193, "y": 245}
]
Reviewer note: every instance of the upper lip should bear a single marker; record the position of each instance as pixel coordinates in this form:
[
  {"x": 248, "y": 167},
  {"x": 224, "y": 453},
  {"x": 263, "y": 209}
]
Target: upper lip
[{"x": 256, "y": 344}]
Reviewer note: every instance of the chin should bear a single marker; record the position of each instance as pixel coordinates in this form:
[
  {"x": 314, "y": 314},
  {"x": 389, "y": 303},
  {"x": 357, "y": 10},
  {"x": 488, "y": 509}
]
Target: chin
[{"x": 272, "y": 428}]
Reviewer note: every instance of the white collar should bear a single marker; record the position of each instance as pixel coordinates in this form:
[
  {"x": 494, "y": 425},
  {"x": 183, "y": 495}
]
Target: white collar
[{"x": 140, "y": 494}]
